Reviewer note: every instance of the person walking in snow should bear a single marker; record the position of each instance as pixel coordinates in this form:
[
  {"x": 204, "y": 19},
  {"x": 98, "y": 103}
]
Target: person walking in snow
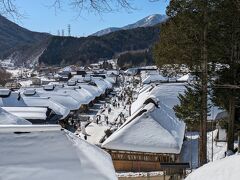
[
  {"x": 121, "y": 117},
  {"x": 106, "y": 118},
  {"x": 109, "y": 110},
  {"x": 97, "y": 120}
]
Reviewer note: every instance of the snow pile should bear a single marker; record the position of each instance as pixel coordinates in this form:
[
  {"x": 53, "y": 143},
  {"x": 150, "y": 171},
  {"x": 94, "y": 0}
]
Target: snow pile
[
  {"x": 144, "y": 132},
  {"x": 50, "y": 153},
  {"x": 8, "y": 118},
  {"x": 227, "y": 168}
]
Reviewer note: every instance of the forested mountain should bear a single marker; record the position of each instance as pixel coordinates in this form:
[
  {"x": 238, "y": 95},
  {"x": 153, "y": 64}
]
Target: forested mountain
[
  {"x": 13, "y": 37},
  {"x": 135, "y": 59},
  {"x": 24, "y": 46},
  {"x": 69, "y": 50}
]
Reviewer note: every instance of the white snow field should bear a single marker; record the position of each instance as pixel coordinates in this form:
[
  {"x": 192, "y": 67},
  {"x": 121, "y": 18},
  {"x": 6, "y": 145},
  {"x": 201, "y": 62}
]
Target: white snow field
[
  {"x": 224, "y": 169},
  {"x": 46, "y": 152}
]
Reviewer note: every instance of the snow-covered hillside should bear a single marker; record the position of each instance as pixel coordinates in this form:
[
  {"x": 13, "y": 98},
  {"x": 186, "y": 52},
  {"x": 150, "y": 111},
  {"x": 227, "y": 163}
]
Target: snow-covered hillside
[{"x": 145, "y": 22}]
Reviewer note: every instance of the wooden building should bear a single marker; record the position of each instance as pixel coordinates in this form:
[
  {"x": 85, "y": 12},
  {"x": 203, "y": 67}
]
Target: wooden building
[{"x": 150, "y": 136}]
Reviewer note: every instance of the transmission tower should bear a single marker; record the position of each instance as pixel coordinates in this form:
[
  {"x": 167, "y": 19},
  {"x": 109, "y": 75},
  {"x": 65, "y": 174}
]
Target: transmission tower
[{"x": 69, "y": 30}]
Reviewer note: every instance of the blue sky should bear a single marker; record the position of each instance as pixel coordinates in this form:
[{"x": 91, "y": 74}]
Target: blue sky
[{"x": 39, "y": 16}]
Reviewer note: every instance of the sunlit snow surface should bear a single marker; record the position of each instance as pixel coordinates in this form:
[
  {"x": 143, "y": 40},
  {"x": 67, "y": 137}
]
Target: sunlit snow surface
[
  {"x": 224, "y": 169},
  {"x": 153, "y": 131},
  {"x": 8, "y": 118},
  {"x": 52, "y": 154}
]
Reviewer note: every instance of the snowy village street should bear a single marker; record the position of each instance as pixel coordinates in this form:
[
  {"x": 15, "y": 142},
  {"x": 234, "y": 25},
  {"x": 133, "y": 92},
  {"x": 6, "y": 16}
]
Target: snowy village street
[
  {"x": 130, "y": 116},
  {"x": 120, "y": 90}
]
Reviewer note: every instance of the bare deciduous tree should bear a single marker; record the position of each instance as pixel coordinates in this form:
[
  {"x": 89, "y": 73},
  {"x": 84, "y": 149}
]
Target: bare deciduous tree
[{"x": 8, "y": 7}]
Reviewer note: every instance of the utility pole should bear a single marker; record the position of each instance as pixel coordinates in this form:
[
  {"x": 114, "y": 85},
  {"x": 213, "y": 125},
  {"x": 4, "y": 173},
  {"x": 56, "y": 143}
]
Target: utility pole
[
  {"x": 69, "y": 30},
  {"x": 62, "y": 32},
  {"x": 58, "y": 33}
]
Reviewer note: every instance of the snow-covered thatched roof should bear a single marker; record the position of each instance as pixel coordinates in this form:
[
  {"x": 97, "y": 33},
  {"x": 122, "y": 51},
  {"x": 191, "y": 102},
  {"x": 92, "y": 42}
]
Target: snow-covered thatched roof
[
  {"x": 28, "y": 112},
  {"x": 167, "y": 94},
  {"x": 150, "y": 129},
  {"x": 101, "y": 84},
  {"x": 59, "y": 97},
  {"x": 94, "y": 90},
  {"x": 78, "y": 94},
  {"x": 151, "y": 78},
  {"x": 7, "y": 118},
  {"x": 33, "y": 100},
  {"x": 47, "y": 152}
]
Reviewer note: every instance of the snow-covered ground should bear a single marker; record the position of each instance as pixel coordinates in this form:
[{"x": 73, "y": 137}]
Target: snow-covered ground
[
  {"x": 166, "y": 94},
  {"x": 190, "y": 148},
  {"x": 224, "y": 169},
  {"x": 95, "y": 131}
]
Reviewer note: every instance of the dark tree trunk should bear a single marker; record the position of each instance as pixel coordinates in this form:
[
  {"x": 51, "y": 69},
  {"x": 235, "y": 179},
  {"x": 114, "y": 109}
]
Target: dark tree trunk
[
  {"x": 204, "y": 104},
  {"x": 230, "y": 136}
]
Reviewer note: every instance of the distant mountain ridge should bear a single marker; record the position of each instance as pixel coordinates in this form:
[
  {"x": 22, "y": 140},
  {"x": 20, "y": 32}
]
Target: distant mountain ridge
[
  {"x": 15, "y": 38},
  {"x": 145, "y": 22},
  {"x": 22, "y": 46},
  {"x": 87, "y": 50}
]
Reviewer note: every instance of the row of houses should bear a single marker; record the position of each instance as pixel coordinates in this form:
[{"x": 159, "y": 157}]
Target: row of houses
[
  {"x": 149, "y": 138},
  {"x": 56, "y": 101},
  {"x": 36, "y": 147}
]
